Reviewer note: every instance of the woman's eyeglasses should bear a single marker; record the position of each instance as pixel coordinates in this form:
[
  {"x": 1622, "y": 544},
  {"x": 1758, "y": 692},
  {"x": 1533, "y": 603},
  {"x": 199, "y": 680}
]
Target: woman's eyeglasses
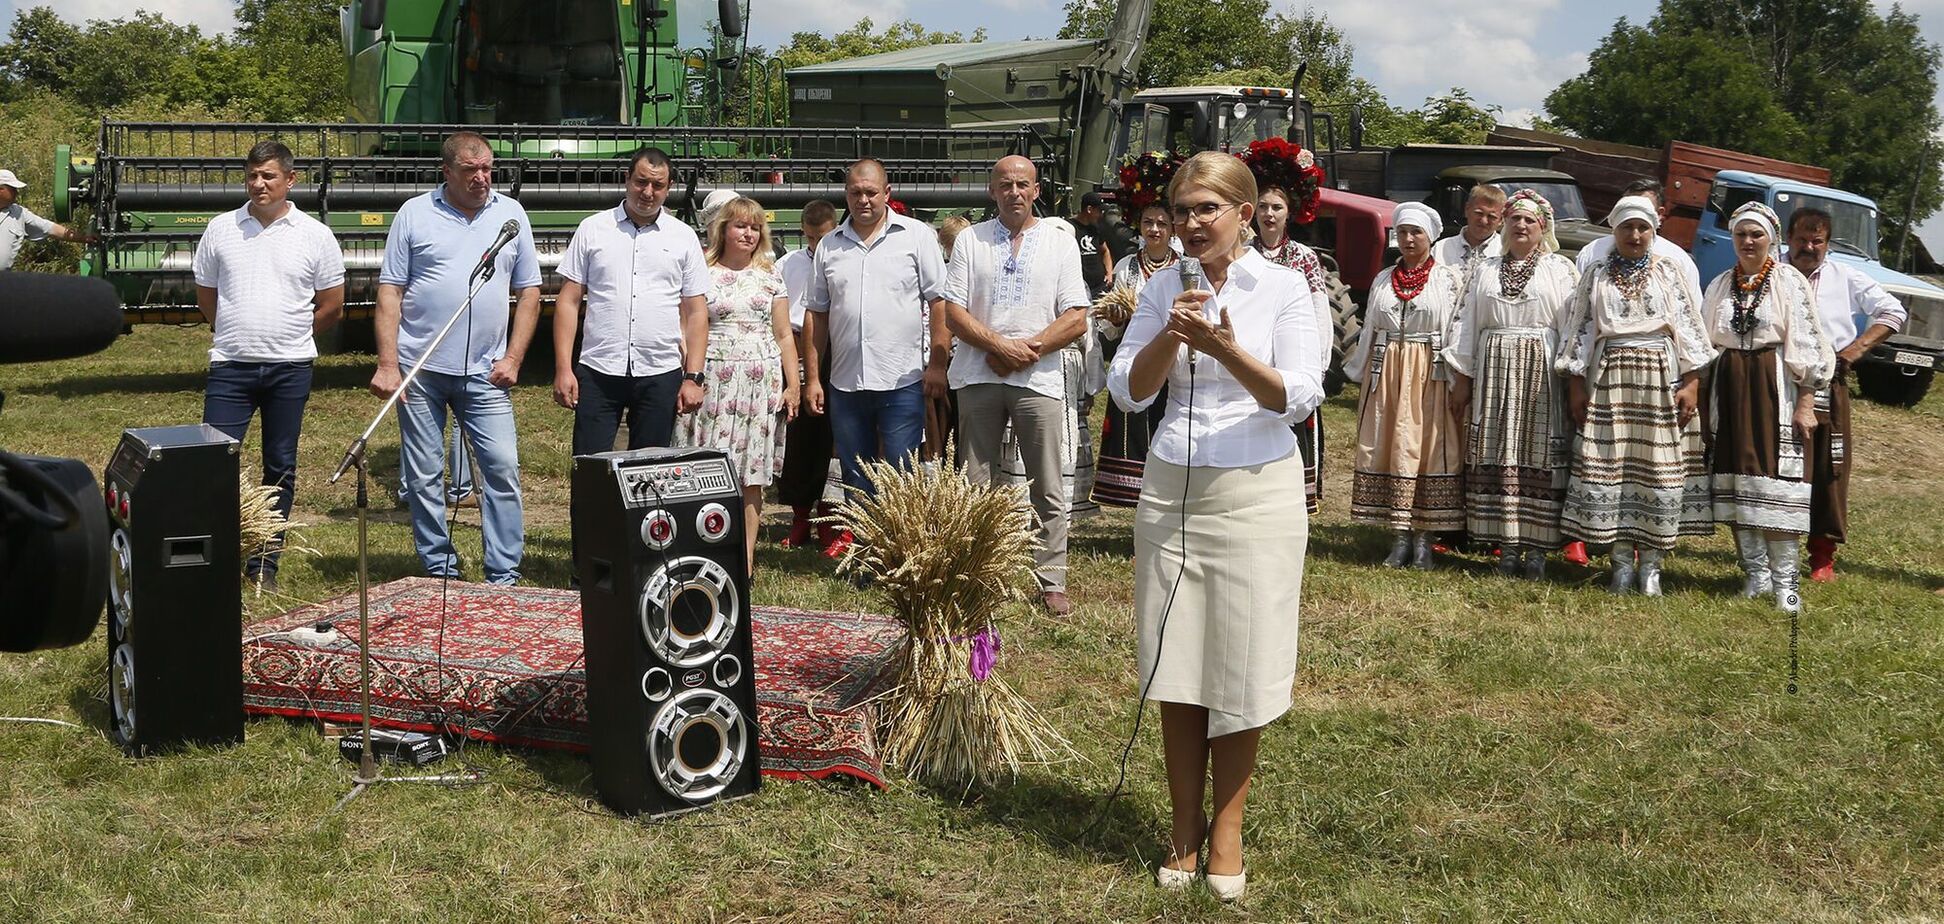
[{"x": 1202, "y": 214}]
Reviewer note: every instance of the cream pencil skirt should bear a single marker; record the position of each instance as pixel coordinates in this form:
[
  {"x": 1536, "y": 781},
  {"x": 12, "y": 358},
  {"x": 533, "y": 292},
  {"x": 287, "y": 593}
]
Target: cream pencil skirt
[{"x": 1229, "y": 644}]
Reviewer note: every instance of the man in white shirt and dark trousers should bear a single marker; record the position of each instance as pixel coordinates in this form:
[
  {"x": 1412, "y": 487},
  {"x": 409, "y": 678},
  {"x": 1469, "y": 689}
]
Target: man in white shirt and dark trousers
[
  {"x": 806, "y": 452},
  {"x": 871, "y": 284},
  {"x": 268, "y": 278},
  {"x": 1846, "y": 301},
  {"x": 1014, "y": 296},
  {"x": 640, "y": 273}
]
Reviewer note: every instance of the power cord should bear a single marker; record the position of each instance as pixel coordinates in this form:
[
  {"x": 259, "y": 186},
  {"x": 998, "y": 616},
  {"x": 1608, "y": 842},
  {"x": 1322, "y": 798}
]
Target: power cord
[{"x": 1161, "y": 631}]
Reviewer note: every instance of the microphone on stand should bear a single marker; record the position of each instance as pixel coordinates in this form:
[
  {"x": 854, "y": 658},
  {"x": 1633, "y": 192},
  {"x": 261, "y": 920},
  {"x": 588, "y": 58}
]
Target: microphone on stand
[
  {"x": 507, "y": 233},
  {"x": 1192, "y": 279}
]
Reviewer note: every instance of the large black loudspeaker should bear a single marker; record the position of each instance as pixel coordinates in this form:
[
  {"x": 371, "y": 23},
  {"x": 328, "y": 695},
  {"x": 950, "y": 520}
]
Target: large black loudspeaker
[
  {"x": 671, "y": 691},
  {"x": 175, "y": 592}
]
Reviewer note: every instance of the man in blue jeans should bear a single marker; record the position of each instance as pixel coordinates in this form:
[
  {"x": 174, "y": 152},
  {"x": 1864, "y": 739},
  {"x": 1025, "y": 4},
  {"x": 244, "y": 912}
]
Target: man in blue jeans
[
  {"x": 875, "y": 305},
  {"x": 435, "y": 242},
  {"x": 268, "y": 277}
]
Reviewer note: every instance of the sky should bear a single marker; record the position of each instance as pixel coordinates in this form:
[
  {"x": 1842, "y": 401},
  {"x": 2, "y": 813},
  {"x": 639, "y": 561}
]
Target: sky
[{"x": 1508, "y": 53}]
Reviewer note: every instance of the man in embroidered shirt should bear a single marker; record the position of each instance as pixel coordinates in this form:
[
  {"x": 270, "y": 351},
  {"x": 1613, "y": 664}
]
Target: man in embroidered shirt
[
  {"x": 268, "y": 278},
  {"x": 871, "y": 284},
  {"x": 645, "y": 333},
  {"x": 806, "y": 452},
  {"x": 1014, "y": 296},
  {"x": 1479, "y": 239},
  {"x": 1846, "y": 301},
  {"x": 435, "y": 242},
  {"x": 18, "y": 225}
]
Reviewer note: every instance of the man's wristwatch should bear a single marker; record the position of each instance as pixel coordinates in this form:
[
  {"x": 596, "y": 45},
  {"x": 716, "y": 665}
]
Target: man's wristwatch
[{"x": 696, "y": 377}]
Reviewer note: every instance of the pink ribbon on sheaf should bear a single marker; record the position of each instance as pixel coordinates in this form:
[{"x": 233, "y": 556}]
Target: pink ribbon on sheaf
[{"x": 985, "y": 653}]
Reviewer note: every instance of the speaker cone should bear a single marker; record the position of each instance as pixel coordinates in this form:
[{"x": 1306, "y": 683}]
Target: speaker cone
[
  {"x": 121, "y": 577},
  {"x": 697, "y": 744},
  {"x": 689, "y": 610},
  {"x": 121, "y": 690}
]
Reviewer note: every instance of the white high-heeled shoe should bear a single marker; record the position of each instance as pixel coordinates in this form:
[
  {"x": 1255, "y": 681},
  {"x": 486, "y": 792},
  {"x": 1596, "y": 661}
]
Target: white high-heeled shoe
[
  {"x": 1229, "y": 888},
  {"x": 1173, "y": 880}
]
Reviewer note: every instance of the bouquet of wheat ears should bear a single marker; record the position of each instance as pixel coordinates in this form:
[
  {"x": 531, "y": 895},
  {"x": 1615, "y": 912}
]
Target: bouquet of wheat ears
[{"x": 949, "y": 556}]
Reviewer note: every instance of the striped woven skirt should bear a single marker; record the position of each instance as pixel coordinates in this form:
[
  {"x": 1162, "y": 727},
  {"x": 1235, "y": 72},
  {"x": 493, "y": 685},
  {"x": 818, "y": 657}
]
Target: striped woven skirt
[
  {"x": 1410, "y": 460},
  {"x": 1757, "y": 463},
  {"x": 1516, "y": 457},
  {"x": 1637, "y": 475},
  {"x": 1309, "y": 443}
]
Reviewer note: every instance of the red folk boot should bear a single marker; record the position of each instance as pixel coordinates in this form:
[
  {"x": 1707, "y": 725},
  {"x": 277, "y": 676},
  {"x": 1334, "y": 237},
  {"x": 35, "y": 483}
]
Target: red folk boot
[
  {"x": 1822, "y": 559},
  {"x": 799, "y": 529},
  {"x": 1576, "y": 553}
]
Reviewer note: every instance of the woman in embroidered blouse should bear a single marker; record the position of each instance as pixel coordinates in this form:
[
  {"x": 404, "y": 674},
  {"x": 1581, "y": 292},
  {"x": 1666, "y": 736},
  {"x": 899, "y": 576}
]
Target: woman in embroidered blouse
[
  {"x": 1634, "y": 352},
  {"x": 1502, "y": 367},
  {"x": 1214, "y": 560},
  {"x": 1774, "y": 358},
  {"x": 1410, "y": 451},
  {"x": 1273, "y": 209},
  {"x": 752, "y": 361},
  {"x": 1124, "y": 435}
]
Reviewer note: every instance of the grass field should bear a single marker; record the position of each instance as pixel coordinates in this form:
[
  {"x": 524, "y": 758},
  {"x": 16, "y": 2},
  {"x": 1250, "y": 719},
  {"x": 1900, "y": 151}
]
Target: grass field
[{"x": 1462, "y": 747}]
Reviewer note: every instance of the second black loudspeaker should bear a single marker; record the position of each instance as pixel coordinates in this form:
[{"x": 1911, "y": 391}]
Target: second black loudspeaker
[{"x": 665, "y": 615}]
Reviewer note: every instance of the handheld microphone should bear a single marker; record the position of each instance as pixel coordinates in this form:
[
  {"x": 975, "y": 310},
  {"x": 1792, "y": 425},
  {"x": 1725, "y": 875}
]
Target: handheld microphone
[
  {"x": 45, "y": 316},
  {"x": 507, "y": 233},
  {"x": 1192, "y": 279}
]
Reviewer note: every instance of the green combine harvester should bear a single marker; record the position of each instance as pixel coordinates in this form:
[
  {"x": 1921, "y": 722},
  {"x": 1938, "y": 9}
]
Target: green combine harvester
[{"x": 562, "y": 90}]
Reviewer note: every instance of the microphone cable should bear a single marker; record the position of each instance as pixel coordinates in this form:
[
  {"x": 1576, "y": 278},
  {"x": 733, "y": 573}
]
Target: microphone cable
[{"x": 1161, "y": 631}]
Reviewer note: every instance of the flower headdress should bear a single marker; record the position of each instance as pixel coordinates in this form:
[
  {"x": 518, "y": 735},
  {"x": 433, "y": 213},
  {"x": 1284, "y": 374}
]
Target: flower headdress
[
  {"x": 1144, "y": 179},
  {"x": 1285, "y": 165},
  {"x": 1529, "y": 200}
]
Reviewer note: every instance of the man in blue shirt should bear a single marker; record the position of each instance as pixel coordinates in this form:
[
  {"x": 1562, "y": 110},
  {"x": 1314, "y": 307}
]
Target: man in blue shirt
[{"x": 434, "y": 243}]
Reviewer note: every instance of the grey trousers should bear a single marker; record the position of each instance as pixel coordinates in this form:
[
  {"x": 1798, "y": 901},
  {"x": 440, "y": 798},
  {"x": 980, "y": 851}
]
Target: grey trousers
[{"x": 1039, "y": 424}]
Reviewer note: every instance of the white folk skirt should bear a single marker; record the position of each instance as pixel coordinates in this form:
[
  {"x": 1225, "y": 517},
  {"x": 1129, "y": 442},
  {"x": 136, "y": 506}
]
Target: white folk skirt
[{"x": 1229, "y": 644}]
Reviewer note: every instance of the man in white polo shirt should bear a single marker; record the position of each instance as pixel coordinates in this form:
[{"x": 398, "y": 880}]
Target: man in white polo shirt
[
  {"x": 18, "y": 225},
  {"x": 268, "y": 278},
  {"x": 1014, "y": 296},
  {"x": 641, "y": 275},
  {"x": 871, "y": 285}
]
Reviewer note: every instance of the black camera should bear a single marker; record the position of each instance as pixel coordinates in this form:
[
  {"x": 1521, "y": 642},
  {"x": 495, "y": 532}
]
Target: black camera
[{"x": 53, "y": 524}]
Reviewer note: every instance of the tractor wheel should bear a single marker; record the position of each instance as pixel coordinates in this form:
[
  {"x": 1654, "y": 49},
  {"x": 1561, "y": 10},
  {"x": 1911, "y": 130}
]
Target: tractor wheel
[
  {"x": 1348, "y": 319},
  {"x": 1884, "y": 383}
]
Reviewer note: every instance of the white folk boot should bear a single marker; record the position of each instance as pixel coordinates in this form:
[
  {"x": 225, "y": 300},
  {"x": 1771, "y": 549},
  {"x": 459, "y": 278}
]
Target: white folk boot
[
  {"x": 1400, "y": 549},
  {"x": 1650, "y": 572},
  {"x": 1754, "y": 556},
  {"x": 1622, "y": 558},
  {"x": 1782, "y": 574}
]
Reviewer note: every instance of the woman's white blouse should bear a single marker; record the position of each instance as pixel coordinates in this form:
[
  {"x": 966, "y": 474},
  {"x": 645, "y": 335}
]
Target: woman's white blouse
[
  {"x": 1785, "y": 318},
  {"x": 1275, "y": 321}
]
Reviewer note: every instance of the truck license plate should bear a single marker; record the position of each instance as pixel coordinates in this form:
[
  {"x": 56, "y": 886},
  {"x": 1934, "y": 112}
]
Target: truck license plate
[{"x": 1915, "y": 359}]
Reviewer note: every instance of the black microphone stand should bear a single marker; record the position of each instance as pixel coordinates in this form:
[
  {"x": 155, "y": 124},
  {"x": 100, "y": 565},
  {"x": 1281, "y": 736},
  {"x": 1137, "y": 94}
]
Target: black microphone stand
[{"x": 354, "y": 457}]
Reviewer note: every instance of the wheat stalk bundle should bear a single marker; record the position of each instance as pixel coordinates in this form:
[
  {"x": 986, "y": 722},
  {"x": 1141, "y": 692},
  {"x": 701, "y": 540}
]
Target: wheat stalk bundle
[
  {"x": 949, "y": 556},
  {"x": 262, "y": 528},
  {"x": 1116, "y": 305}
]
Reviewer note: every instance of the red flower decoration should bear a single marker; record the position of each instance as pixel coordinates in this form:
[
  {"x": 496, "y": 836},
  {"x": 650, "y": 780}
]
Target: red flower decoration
[
  {"x": 899, "y": 207},
  {"x": 1284, "y": 164},
  {"x": 1144, "y": 179}
]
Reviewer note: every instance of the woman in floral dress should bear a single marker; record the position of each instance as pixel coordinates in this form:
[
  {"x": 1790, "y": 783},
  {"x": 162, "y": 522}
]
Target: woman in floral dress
[{"x": 752, "y": 387}]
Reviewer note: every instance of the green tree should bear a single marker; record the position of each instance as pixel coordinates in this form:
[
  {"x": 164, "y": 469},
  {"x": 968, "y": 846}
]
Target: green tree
[
  {"x": 1455, "y": 118},
  {"x": 1829, "y": 82},
  {"x": 1189, "y": 40}
]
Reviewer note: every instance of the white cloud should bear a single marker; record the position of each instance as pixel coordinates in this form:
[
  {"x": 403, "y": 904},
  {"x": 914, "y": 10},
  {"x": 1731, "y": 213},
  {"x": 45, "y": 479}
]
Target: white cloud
[
  {"x": 211, "y": 16},
  {"x": 1490, "y": 49},
  {"x": 773, "y": 24}
]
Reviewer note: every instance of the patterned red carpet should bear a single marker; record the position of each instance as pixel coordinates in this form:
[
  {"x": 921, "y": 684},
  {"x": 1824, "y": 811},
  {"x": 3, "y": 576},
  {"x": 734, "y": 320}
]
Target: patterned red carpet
[{"x": 511, "y": 671}]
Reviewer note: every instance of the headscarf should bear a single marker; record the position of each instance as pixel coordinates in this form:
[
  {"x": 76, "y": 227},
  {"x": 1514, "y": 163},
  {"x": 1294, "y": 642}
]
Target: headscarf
[
  {"x": 1762, "y": 216},
  {"x": 1419, "y": 215},
  {"x": 1530, "y": 202},
  {"x": 1630, "y": 207}
]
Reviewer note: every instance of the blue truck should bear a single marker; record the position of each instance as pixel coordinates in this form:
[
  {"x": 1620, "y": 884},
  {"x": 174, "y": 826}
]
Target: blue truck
[{"x": 1897, "y": 371}]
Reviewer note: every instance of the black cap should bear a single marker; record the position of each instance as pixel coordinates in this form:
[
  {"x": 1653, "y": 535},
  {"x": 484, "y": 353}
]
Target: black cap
[{"x": 1092, "y": 200}]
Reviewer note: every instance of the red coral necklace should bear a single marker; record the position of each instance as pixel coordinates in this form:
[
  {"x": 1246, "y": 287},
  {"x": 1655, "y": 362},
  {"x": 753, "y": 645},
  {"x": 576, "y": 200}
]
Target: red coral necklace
[{"x": 1408, "y": 284}]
